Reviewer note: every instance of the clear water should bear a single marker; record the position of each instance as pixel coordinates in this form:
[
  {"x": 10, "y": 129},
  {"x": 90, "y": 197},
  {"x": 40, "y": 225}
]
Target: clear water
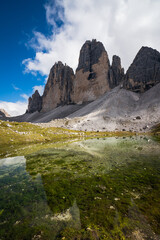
[{"x": 93, "y": 189}]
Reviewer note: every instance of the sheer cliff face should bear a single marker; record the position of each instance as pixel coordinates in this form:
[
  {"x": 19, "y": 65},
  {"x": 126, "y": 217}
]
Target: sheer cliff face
[
  {"x": 91, "y": 79},
  {"x": 94, "y": 76},
  {"x": 35, "y": 103},
  {"x": 144, "y": 72},
  {"x": 58, "y": 88}
]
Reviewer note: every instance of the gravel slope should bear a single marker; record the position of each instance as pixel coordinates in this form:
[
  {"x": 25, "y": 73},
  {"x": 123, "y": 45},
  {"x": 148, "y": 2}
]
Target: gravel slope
[{"x": 117, "y": 110}]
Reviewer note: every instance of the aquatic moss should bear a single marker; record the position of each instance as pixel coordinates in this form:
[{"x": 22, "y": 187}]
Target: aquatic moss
[
  {"x": 113, "y": 202},
  {"x": 94, "y": 189}
]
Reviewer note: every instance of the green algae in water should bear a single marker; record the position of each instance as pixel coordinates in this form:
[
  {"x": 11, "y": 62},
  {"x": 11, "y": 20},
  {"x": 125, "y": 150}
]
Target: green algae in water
[{"x": 95, "y": 189}]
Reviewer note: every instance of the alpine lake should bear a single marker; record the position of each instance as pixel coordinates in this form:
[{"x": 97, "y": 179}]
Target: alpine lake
[{"x": 100, "y": 188}]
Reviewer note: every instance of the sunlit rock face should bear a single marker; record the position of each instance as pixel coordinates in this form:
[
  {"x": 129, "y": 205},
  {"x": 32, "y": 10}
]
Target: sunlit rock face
[
  {"x": 92, "y": 74},
  {"x": 144, "y": 72},
  {"x": 58, "y": 88},
  {"x": 95, "y": 76}
]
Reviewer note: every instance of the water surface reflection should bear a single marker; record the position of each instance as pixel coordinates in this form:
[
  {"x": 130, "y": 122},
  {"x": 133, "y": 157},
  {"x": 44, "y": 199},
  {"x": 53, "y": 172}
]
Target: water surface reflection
[{"x": 94, "y": 189}]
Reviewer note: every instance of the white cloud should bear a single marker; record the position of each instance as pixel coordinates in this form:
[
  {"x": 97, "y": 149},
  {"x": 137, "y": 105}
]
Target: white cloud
[
  {"x": 122, "y": 25},
  {"x": 14, "y": 109},
  {"x": 25, "y": 96},
  {"x": 15, "y": 88},
  {"x": 19, "y": 107},
  {"x": 40, "y": 89}
]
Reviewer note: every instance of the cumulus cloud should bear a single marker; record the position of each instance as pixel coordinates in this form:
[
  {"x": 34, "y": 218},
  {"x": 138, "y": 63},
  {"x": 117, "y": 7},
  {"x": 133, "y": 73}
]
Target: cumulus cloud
[
  {"x": 122, "y": 25},
  {"x": 19, "y": 107},
  {"x": 14, "y": 109}
]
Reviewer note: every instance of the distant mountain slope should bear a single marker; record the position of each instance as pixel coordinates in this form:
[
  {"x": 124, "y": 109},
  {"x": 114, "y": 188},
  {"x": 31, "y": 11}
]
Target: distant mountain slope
[
  {"x": 3, "y": 113},
  {"x": 119, "y": 109}
]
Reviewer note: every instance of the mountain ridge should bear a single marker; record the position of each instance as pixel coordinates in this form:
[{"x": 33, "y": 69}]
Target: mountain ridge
[
  {"x": 99, "y": 96},
  {"x": 95, "y": 76}
]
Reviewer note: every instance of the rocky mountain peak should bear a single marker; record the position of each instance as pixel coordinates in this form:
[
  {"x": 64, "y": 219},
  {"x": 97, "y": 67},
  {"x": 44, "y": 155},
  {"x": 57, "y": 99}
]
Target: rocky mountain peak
[
  {"x": 116, "y": 72},
  {"x": 116, "y": 62},
  {"x": 95, "y": 76},
  {"x": 58, "y": 87},
  {"x": 91, "y": 80},
  {"x": 3, "y": 113},
  {"x": 35, "y": 103},
  {"x": 144, "y": 72},
  {"x": 90, "y": 53}
]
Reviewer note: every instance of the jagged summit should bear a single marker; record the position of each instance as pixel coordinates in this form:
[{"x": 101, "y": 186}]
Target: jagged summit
[
  {"x": 35, "y": 103},
  {"x": 95, "y": 76},
  {"x": 116, "y": 71},
  {"x": 90, "y": 53},
  {"x": 58, "y": 88},
  {"x": 144, "y": 72},
  {"x": 92, "y": 74}
]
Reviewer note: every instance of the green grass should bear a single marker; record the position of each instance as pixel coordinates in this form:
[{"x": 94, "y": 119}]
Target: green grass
[
  {"x": 18, "y": 138},
  {"x": 156, "y": 132},
  {"x": 19, "y": 133}
]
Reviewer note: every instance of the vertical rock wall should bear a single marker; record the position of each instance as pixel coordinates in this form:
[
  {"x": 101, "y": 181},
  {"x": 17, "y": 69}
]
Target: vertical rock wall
[
  {"x": 92, "y": 74},
  {"x": 144, "y": 72},
  {"x": 58, "y": 88}
]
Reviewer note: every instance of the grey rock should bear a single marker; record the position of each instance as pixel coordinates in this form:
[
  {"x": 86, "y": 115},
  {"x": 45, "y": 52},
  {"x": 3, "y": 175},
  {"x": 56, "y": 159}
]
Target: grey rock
[
  {"x": 35, "y": 103},
  {"x": 58, "y": 88},
  {"x": 94, "y": 77},
  {"x": 116, "y": 72},
  {"x": 144, "y": 72},
  {"x": 138, "y": 117},
  {"x": 92, "y": 74},
  {"x": 90, "y": 53}
]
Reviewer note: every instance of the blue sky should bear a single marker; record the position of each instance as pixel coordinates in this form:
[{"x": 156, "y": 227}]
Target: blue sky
[
  {"x": 37, "y": 33},
  {"x": 18, "y": 20}
]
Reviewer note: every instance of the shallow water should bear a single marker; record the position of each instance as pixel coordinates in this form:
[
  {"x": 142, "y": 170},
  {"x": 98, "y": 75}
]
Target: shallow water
[{"x": 93, "y": 189}]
